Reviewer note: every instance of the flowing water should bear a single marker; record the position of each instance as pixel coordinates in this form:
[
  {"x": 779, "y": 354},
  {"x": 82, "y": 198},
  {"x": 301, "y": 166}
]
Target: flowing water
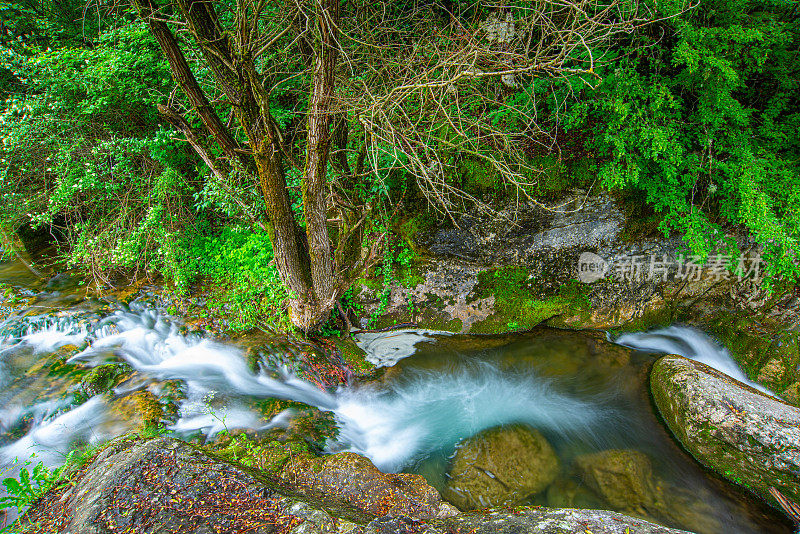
[
  {"x": 582, "y": 393},
  {"x": 690, "y": 343}
]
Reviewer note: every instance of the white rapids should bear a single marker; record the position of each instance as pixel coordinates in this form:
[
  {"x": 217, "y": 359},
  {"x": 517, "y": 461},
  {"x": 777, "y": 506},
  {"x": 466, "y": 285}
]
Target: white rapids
[
  {"x": 690, "y": 343},
  {"x": 393, "y": 426}
]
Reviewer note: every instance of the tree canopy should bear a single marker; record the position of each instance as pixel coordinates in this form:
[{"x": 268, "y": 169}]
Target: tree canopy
[{"x": 272, "y": 145}]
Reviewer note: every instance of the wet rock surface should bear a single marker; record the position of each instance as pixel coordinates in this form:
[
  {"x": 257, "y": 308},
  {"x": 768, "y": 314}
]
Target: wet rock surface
[
  {"x": 500, "y": 467},
  {"x": 353, "y": 480},
  {"x": 164, "y": 485},
  {"x": 526, "y": 521},
  {"x": 625, "y": 480},
  {"x": 167, "y": 486},
  {"x": 747, "y": 437},
  {"x": 526, "y": 231}
]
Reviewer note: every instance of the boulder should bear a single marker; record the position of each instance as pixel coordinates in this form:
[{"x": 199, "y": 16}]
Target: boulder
[
  {"x": 624, "y": 478},
  {"x": 355, "y": 481},
  {"x": 500, "y": 466},
  {"x": 747, "y": 437},
  {"x": 525, "y": 520},
  {"x": 165, "y": 486},
  {"x": 103, "y": 378}
]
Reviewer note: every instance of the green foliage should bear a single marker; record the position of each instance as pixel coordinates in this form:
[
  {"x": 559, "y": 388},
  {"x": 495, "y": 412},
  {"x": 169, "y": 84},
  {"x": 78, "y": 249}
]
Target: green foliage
[
  {"x": 82, "y": 152},
  {"x": 240, "y": 263},
  {"x": 27, "y": 487},
  {"x": 84, "y": 155},
  {"x": 704, "y": 125}
]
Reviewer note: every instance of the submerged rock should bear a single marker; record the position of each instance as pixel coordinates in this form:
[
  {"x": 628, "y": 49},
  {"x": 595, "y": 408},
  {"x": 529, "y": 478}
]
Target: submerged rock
[
  {"x": 500, "y": 466},
  {"x": 568, "y": 493},
  {"x": 624, "y": 478},
  {"x": 746, "y": 436}
]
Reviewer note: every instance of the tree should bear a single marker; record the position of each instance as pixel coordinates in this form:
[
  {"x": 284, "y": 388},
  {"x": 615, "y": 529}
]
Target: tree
[{"x": 412, "y": 86}]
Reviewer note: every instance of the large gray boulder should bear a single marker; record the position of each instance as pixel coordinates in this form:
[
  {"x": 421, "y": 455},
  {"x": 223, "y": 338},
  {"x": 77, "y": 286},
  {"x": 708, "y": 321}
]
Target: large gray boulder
[
  {"x": 749, "y": 438},
  {"x": 166, "y": 486},
  {"x": 525, "y": 520}
]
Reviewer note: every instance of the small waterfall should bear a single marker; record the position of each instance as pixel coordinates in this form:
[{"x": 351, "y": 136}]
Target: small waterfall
[
  {"x": 690, "y": 343},
  {"x": 411, "y": 422},
  {"x": 393, "y": 426},
  {"x": 431, "y": 411}
]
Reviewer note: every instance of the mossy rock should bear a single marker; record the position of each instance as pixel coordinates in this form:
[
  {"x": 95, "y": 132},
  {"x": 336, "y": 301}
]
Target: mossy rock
[
  {"x": 140, "y": 408},
  {"x": 353, "y": 356},
  {"x": 103, "y": 378},
  {"x": 745, "y": 436},
  {"x": 767, "y": 353},
  {"x": 501, "y": 466},
  {"x": 354, "y": 481},
  {"x": 268, "y": 456}
]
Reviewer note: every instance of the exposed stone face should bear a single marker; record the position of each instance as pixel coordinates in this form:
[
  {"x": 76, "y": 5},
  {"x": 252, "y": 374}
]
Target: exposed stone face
[
  {"x": 747, "y": 437},
  {"x": 499, "y": 467},
  {"x": 164, "y": 486},
  {"x": 526, "y": 520},
  {"x": 355, "y": 481}
]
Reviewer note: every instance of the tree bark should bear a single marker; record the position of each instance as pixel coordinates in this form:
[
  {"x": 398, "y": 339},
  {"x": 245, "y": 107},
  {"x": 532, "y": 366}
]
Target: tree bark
[
  {"x": 233, "y": 72},
  {"x": 305, "y": 261},
  {"x": 183, "y": 76},
  {"x": 320, "y": 115}
]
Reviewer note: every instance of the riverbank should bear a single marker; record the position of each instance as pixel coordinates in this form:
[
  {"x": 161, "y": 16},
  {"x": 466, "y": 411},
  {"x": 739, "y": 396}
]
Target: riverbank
[{"x": 443, "y": 290}]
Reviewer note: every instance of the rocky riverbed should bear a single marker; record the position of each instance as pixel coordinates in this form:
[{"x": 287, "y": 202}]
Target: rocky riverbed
[{"x": 487, "y": 274}]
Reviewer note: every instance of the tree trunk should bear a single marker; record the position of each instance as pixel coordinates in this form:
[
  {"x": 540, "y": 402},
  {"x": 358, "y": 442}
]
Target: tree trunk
[
  {"x": 185, "y": 79},
  {"x": 320, "y": 113},
  {"x": 305, "y": 261}
]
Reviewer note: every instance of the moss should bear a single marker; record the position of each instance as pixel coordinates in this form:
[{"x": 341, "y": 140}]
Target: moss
[
  {"x": 354, "y": 357},
  {"x": 142, "y": 408},
  {"x": 370, "y": 283},
  {"x": 409, "y": 228},
  {"x": 438, "y": 322},
  {"x": 269, "y": 457},
  {"x": 103, "y": 378},
  {"x": 641, "y": 220},
  {"x": 519, "y": 304},
  {"x": 553, "y": 178},
  {"x": 657, "y": 318},
  {"x": 270, "y": 407},
  {"x": 753, "y": 345},
  {"x": 410, "y": 277},
  {"x": 478, "y": 177}
]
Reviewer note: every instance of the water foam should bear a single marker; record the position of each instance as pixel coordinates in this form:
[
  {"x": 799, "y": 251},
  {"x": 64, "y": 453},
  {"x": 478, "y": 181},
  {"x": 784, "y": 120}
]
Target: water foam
[
  {"x": 430, "y": 411},
  {"x": 394, "y": 425},
  {"x": 690, "y": 343}
]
